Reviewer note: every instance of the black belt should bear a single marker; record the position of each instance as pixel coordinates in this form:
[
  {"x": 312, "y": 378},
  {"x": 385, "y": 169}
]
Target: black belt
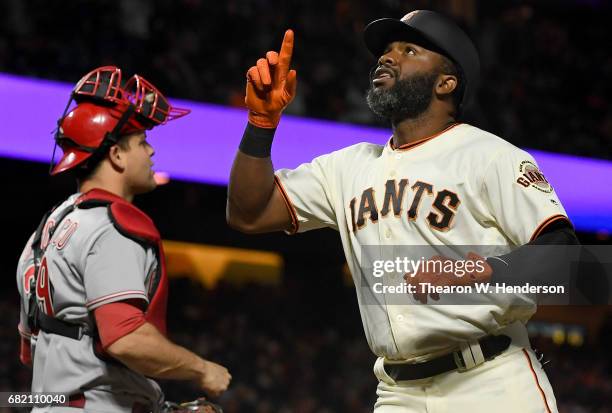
[
  {"x": 492, "y": 346},
  {"x": 63, "y": 328}
]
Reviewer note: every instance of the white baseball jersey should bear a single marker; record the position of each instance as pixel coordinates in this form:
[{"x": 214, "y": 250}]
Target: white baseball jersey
[
  {"x": 463, "y": 186},
  {"x": 87, "y": 263}
]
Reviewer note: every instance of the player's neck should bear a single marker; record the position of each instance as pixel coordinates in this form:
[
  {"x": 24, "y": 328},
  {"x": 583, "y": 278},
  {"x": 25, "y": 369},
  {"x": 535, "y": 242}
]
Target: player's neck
[
  {"x": 412, "y": 130},
  {"x": 112, "y": 186}
]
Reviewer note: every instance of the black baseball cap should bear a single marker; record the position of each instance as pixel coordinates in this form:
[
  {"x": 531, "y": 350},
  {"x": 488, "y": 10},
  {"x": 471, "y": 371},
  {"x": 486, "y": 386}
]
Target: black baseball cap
[{"x": 433, "y": 31}]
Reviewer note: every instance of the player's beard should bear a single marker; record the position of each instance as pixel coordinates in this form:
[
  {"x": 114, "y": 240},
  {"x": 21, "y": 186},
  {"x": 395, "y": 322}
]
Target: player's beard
[{"x": 406, "y": 99}]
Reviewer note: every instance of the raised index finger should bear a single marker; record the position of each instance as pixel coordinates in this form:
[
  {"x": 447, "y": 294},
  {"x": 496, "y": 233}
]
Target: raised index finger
[{"x": 284, "y": 57}]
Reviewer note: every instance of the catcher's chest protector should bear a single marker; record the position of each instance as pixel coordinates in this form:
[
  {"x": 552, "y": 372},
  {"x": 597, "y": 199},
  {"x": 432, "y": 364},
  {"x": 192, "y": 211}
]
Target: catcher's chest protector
[{"x": 136, "y": 225}]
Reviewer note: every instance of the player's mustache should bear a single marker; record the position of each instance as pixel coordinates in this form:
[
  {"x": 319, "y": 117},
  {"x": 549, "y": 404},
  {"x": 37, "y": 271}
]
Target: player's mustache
[{"x": 376, "y": 67}]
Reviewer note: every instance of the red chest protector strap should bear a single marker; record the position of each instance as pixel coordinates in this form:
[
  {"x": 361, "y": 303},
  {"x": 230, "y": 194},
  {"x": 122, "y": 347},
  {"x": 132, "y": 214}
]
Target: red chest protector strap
[{"x": 132, "y": 223}]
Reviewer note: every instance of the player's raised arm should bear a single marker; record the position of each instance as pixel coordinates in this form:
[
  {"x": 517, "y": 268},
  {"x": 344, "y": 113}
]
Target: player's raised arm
[{"x": 254, "y": 203}]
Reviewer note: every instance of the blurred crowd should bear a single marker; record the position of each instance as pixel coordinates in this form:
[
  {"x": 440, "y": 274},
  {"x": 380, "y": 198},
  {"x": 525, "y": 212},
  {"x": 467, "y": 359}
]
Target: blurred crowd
[
  {"x": 299, "y": 348},
  {"x": 546, "y": 64}
]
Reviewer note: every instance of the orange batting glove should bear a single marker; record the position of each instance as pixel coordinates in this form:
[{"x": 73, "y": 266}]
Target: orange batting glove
[{"x": 271, "y": 85}]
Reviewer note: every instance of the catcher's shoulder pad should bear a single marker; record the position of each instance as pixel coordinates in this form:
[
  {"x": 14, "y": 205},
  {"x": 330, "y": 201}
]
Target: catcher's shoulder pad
[
  {"x": 133, "y": 223},
  {"x": 127, "y": 218}
]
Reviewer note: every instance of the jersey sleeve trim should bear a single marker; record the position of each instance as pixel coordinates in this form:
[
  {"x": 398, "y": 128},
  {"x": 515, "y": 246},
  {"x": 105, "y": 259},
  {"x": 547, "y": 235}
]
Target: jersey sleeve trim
[
  {"x": 116, "y": 320},
  {"x": 294, "y": 220},
  {"x": 546, "y": 223},
  {"x": 115, "y": 297},
  {"x": 23, "y": 332}
]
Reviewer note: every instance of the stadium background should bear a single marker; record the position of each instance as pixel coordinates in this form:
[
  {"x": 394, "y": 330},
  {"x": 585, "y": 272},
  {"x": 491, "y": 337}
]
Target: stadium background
[{"x": 286, "y": 323}]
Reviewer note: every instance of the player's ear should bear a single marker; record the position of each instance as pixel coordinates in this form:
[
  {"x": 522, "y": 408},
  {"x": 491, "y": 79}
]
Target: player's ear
[
  {"x": 446, "y": 84},
  {"x": 117, "y": 154},
  {"x": 117, "y": 157}
]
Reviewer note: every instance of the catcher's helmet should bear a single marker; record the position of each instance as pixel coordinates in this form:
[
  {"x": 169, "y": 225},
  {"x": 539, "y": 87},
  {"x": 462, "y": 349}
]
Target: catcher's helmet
[
  {"x": 105, "y": 111},
  {"x": 432, "y": 31}
]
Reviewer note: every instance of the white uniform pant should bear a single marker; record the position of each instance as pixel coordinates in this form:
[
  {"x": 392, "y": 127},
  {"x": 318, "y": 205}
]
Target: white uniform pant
[{"x": 510, "y": 383}]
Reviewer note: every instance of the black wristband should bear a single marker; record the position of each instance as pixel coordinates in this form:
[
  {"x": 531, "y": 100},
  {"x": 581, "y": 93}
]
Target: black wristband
[{"x": 257, "y": 141}]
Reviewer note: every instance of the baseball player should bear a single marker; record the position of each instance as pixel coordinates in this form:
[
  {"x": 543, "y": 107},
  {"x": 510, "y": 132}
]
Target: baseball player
[
  {"x": 436, "y": 182},
  {"x": 92, "y": 278}
]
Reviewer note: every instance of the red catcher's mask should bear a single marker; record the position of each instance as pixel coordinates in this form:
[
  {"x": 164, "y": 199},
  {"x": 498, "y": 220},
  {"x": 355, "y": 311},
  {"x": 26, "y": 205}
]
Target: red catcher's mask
[{"x": 105, "y": 111}]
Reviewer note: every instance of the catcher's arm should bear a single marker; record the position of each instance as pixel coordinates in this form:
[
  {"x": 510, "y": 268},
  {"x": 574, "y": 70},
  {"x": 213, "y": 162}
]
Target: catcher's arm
[{"x": 148, "y": 352}]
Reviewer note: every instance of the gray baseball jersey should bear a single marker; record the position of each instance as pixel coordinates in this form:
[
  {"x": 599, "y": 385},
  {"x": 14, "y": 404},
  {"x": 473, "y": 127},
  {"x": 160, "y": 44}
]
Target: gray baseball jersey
[
  {"x": 463, "y": 186},
  {"x": 87, "y": 263}
]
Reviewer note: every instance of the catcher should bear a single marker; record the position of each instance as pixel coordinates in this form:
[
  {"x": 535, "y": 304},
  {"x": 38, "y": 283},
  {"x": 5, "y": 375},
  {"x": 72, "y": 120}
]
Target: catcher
[{"x": 92, "y": 277}]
